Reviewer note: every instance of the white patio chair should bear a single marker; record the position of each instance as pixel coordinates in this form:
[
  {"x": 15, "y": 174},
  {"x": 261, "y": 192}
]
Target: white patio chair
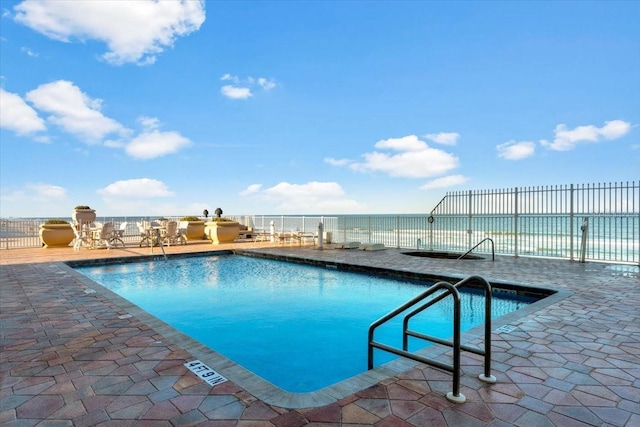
[
  {"x": 118, "y": 235},
  {"x": 182, "y": 231},
  {"x": 102, "y": 236},
  {"x": 145, "y": 233},
  {"x": 170, "y": 233}
]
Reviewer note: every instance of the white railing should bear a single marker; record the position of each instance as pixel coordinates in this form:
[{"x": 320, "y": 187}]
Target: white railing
[{"x": 536, "y": 221}]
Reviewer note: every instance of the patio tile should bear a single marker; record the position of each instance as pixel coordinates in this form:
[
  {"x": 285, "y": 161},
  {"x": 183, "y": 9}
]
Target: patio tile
[
  {"x": 572, "y": 363},
  {"x": 39, "y": 407}
]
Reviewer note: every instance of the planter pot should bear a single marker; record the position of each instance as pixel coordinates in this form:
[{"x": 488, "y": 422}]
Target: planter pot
[
  {"x": 56, "y": 235},
  {"x": 85, "y": 216},
  {"x": 222, "y": 232},
  {"x": 195, "y": 230}
]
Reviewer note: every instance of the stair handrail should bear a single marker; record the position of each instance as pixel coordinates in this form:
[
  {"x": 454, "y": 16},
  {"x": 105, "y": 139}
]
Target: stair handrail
[
  {"x": 486, "y": 376},
  {"x": 455, "y": 395},
  {"x": 493, "y": 249}
]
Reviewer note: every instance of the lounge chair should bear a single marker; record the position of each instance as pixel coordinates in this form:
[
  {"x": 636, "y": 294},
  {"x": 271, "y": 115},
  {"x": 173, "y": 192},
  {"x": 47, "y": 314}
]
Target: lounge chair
[
  {"x": 80, "y": 236},
  {"x": 171, "y": 234},
  {"x": 182, "y": 231},
  {"x": 102, "y": 236},
  {"x": 145, "y": 233},
  {"x": 118, "y": 235},
  {"x": 347, "y": 245},
  {"x": 372, "y": 247}
]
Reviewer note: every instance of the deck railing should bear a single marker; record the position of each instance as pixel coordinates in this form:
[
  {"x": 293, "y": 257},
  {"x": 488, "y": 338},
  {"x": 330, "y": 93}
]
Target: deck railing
[{"x": 532, "y": 221}]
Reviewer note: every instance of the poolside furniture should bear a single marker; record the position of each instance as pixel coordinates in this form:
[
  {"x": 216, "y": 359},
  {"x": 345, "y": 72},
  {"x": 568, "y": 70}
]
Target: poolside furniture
[
  {"x": 102, "y": 236},
  {"x": 80, "y": 236},
  {"x": 170, "y": 234},
  {"x": 118, "y": 235},
  {"x": 145, "y": 233},
  {"x": 347, "y": 245},
  {"x": 261, "y": 236},
  {"x": 372, "y": 247},
  {"x": 245, "y": 232},
  {"x": 303, "y": 237},
  {"x": 182, "y": 231}
]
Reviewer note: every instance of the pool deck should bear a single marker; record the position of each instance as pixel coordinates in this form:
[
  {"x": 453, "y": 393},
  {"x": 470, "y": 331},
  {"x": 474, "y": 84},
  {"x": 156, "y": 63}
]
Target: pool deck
[{"x": 76, "y": 356}]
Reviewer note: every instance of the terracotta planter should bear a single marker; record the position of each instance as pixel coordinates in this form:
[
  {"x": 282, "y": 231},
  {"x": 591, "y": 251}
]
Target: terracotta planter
[
  {"x": 195, "y": 230},
  {"x": 85, "y": 216},
  {"x": 222, "y": 232},
  {"x": 56, "y": 235}
]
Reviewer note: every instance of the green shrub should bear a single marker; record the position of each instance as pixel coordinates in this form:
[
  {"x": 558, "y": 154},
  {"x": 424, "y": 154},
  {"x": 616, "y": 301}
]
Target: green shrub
[
  {"x": 221, "y": 219},
  {"x": 81, "y": 207},
  {"x": 190, "y": 218},
  {"x": 56, "y": 221}
]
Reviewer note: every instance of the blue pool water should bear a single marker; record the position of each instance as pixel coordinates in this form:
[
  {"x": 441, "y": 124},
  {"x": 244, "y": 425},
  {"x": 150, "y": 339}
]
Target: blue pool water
[{"x": 299, "y": 327}]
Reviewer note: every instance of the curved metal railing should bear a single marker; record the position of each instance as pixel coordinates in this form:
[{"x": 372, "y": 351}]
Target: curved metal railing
[
  {"x": 493, "y": 248},
  {"x": 454, "y": 368}
]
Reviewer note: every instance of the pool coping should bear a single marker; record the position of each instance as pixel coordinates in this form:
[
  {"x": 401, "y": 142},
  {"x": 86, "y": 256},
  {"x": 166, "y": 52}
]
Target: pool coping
[{"x": 266, "y": 391}]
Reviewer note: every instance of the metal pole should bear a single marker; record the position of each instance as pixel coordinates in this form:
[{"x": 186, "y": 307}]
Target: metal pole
[
  {"x": 515, "y": 221},
  {"x": 469, "y": 230},
  {"x": 571, "y": 209}
]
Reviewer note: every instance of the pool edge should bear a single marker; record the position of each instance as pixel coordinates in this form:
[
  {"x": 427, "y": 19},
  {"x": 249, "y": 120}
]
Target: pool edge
[{"x": 264, "y": 390}]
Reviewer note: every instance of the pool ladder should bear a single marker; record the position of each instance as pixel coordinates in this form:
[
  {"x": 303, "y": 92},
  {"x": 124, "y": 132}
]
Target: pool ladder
[
  {"x": 449, "y": 290},
  {"x": 486, "y": 239},
  {"x": 158, "y": 238}
]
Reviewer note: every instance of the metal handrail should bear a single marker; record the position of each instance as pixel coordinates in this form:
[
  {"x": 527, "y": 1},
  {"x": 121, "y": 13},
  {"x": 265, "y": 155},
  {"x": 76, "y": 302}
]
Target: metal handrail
[
  {"x": 486, "y": 376},
  {"x": 158, "y": 241},
  {"x": 455, "y": 395},
  {"x": 493, "y": 249}
]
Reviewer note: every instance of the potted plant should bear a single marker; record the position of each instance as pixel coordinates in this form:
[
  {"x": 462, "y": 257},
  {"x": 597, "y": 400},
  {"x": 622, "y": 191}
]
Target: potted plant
[
  {"x": 56, "y": 233},
  {"x": 221, "y": 229},
  {"x": 83, "y": 214},
  {"x": 195, "y": 227}
]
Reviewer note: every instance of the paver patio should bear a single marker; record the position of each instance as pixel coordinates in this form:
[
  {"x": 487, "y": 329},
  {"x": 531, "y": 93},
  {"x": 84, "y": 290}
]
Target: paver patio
[{"x": 71, "y": 355}]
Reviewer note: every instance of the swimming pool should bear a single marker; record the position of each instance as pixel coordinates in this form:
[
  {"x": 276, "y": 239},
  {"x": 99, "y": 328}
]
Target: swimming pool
[{"x": 298, "y": 326}]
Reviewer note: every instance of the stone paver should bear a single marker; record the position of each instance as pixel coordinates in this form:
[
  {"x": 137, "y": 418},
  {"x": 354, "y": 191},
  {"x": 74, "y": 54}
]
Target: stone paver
[{"x": 73, "y": 357}]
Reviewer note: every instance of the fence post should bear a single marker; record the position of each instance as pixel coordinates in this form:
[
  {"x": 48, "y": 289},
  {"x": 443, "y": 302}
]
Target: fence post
[
  {"x": 516, "y": 225},
  {"x": 571, "y": 212},
  {"x": 470, "y": 219}
]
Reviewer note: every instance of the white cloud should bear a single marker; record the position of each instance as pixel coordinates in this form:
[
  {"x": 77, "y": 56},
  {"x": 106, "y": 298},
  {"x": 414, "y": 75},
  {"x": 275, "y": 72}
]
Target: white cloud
[
  {"x": 79, "y": 115},
  {"x": 444, "y": 182},
  {"x": 312, "y": 197},
  {"x": 406, "y": 143},
  {"x": 37, "y": 193},
  {"x": 230, "y": 77},
  {"x": 142, "y": 188},
  {"x": 47, "y": 191},
  {"x": 74, "y": 111},
  {"x": 252, "y": 189},
  {"x": 566, "y": 139},
  {"x": 134, "y": 31},
  {"x": 615, "y": 129},
  {"x": 241, "y": 88},
  {"x": 149, "y": 123},
  {"x": 235, "y": 92},
  {"x": 266, "y": 84},
  {"x": 17, "y": 116},
  {"x": 513, "y": 150},
  {"x": 152, "y": 144},
  {"x": 29, "y": 52},
  {"x": 337, "y": 162},
  {"x": 444, "y": 138},
  {"x": 414, "y": 160}
]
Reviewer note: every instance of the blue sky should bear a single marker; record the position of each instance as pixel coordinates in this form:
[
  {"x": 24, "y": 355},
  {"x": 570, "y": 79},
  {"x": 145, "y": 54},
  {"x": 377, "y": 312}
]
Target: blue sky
[{"x": 309, "y": 107}]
